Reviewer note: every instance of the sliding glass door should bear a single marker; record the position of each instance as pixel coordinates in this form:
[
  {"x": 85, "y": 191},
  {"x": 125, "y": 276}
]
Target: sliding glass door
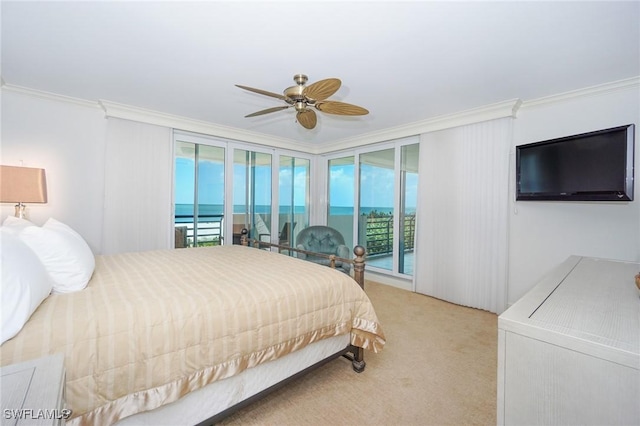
[
  {"x": 377, "y": 205},
  {"x": 198, "y": 194},
  {"x": 409, "y": 155},
  {"x": 371, "y": 197},
  {"x": 252, "y": 193},
  {"x": 384, "y": 189},
  {"x": 293, "y": 194},
  {"x": 340, "y": 205}
]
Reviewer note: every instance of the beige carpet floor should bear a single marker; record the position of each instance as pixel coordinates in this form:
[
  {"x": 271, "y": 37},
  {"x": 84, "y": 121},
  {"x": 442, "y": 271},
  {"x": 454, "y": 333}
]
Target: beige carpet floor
[{"x": 438, "y": 368}]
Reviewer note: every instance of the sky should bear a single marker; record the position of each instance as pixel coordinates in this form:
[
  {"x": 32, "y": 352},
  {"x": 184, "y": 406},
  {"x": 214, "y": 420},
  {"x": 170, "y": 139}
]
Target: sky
[{"x": 376, "y": 185}]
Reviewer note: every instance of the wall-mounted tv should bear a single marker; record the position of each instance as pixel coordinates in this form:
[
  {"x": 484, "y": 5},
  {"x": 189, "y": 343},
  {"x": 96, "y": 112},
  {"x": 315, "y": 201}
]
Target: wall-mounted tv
[{"x": 594, "y": 166}]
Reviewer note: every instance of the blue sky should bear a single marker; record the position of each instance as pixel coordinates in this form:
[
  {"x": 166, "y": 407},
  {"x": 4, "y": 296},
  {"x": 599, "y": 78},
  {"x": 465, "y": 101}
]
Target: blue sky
[
  {"x": 376, "y": 184},
  {"x": 376, "y": 187}
]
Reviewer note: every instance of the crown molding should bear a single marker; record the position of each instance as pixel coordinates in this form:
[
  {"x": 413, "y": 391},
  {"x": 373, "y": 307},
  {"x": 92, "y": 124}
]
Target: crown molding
[
  {"x": 127, "y": 112},
  {"x": 48, "y": 96},
  {"x": 497, "y": 110},
  {"x": 600, "y": 89},
  {"x": 476, "y": 115}
]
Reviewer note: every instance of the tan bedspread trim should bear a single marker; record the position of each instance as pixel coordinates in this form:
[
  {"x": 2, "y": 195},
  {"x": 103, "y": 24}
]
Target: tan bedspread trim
[
  {"x": 170, "y": 392},
  {"x": 152, "y": 326}
]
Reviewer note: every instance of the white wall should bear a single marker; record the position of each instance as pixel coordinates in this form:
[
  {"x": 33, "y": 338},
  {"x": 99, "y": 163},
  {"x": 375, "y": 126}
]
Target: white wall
[
  {"x": 67, "y": 139},
  {"x": 543, "y": 234}
]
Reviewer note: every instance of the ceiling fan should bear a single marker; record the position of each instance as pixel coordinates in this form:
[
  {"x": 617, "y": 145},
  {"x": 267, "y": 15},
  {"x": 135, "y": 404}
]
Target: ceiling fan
[{"x": 302, "y": 98}]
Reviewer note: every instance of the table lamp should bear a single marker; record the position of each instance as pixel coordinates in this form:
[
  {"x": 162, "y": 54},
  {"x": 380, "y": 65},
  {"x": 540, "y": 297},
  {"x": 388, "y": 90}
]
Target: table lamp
[{"x": 22, "y": 185}]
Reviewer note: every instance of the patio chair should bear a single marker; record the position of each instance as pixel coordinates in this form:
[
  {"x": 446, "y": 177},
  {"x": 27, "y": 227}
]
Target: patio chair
[
  {"x": 286, "y": 233},
  {"x": 326, "y": 240}
]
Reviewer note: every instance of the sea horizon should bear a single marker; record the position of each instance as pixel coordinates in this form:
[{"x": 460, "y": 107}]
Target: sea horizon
[{"x": 182, "y": 210}]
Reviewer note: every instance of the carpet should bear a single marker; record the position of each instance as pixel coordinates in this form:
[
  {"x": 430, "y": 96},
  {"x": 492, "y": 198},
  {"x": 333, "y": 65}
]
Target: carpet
[{"x": 439, "y": 367}]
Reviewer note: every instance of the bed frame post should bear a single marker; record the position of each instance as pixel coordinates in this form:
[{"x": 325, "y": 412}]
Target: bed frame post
[
  {"x": 357, "y": 361},
  {"x": 358, "y": 265},
  {"x": 352, "y": 353}
]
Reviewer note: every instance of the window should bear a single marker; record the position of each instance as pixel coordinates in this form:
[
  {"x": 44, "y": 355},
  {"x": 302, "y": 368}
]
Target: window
[
  {"x": 293, "y": 194},
  {"x": 375, "y": 203},
  {"x": 252, "y": 193},
  {"x": 340, "y": 206},
  {"x": 409, "y": 155},
  {"x": 198, "y": 194},
  {"x": 224, "y": 186},
  {"x": 376, "y": 206},
  {"x": 371, "y": 196}
]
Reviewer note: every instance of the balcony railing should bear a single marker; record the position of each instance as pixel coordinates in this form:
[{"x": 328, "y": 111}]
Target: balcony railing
[
  {"x": 207, "y": 232},
  {"x": 379, "y": 231}
]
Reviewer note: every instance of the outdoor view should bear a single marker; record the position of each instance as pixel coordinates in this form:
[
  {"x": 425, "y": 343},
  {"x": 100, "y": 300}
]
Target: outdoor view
[
  {"x": 199, "y": 214},
  {"x": 376, "y": 204}
]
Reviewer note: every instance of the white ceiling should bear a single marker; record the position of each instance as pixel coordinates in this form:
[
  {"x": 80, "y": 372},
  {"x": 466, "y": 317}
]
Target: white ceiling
[{"x": 404, "y": 61}]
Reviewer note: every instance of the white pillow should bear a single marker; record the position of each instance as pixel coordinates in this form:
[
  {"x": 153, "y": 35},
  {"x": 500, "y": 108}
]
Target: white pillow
[
  {"x": 25, "y": 283},
  {"x": 14, "y": 224},
  {"x": 64, "y": 254}
]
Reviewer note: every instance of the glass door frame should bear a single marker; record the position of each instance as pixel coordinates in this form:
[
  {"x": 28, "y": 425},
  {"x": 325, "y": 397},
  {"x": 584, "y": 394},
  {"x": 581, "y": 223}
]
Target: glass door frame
[
  {"x": 275, "y": 153},
  {"x": 366, "y": 150},
  {"x": 399, "y": 199},
  {"x": 401, "y": 207},
  {"x": 229, "y": 174},
  {"x": 230, "y": 146},
  {"x": 397, "y": 145},
  {"x": 311, "y": 193},
  {"x": 196, "y": 139}
]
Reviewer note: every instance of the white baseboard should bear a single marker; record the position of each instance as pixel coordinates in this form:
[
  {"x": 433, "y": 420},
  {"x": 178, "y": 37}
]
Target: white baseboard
[{"x": 405, "y": 284}]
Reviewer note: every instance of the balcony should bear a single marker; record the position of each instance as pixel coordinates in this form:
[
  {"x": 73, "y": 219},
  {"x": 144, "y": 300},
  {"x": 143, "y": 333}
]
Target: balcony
[
  {"x": 377, "y": 228},
  {"x": 379, "y": 232},
  {"x": 209, "y": 231}
]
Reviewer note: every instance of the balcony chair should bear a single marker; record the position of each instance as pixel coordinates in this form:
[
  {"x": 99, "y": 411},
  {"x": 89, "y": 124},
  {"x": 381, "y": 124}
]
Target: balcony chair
[
  {"x": 285, "y": 235},
  {"x": 326, "y": 240}
]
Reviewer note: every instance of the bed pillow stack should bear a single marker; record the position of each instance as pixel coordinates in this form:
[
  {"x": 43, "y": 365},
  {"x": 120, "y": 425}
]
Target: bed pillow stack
[
  {"x": 25, "y": 284},
  {"x": 36, "y": 261}
]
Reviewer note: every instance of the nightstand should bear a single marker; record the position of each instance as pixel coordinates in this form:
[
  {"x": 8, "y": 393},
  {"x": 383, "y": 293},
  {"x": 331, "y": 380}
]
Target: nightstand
[{"x": 33, "y": 392}]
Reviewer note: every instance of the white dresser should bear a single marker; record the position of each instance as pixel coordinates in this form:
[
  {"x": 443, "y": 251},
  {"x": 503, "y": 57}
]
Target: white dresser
[{"x": 569, "y": 350}]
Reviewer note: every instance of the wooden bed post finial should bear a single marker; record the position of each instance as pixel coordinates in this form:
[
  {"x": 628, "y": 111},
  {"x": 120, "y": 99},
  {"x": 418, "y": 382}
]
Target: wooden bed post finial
[
  {"x": 244, "y": 237},
  {"x": 358, "y": 265}
]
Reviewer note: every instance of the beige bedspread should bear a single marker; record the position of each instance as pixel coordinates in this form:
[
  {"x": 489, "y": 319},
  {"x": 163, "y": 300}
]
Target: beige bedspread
[{"x": 153, "y": 326}]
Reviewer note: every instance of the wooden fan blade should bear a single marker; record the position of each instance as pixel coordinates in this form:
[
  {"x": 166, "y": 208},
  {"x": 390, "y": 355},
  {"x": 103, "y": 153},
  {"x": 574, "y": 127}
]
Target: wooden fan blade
[
  {"x": 264, "y": 92},
  {"x": 307, "y": 118},
  {"x": 321, "y": 90},
  {"x": 340, "y": 108},
  {"x": 266, "y": 111}
]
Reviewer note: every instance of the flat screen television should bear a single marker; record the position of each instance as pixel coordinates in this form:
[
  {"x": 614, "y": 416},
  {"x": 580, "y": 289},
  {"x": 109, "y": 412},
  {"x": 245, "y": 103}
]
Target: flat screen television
[{"x": 594, "y": 166}]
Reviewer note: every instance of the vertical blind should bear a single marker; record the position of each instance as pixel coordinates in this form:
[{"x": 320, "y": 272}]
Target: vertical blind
[
  {"x": 462, "y": 241},
  {"x": 137, "y": 199}
]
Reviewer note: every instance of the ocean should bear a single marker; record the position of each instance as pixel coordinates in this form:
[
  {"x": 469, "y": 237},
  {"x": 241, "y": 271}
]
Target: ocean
[{"x": 218, "y": 210}]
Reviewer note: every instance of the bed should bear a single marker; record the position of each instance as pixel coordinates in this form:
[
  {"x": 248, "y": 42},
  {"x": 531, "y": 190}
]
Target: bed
[{"x": 187, "y": 336}]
